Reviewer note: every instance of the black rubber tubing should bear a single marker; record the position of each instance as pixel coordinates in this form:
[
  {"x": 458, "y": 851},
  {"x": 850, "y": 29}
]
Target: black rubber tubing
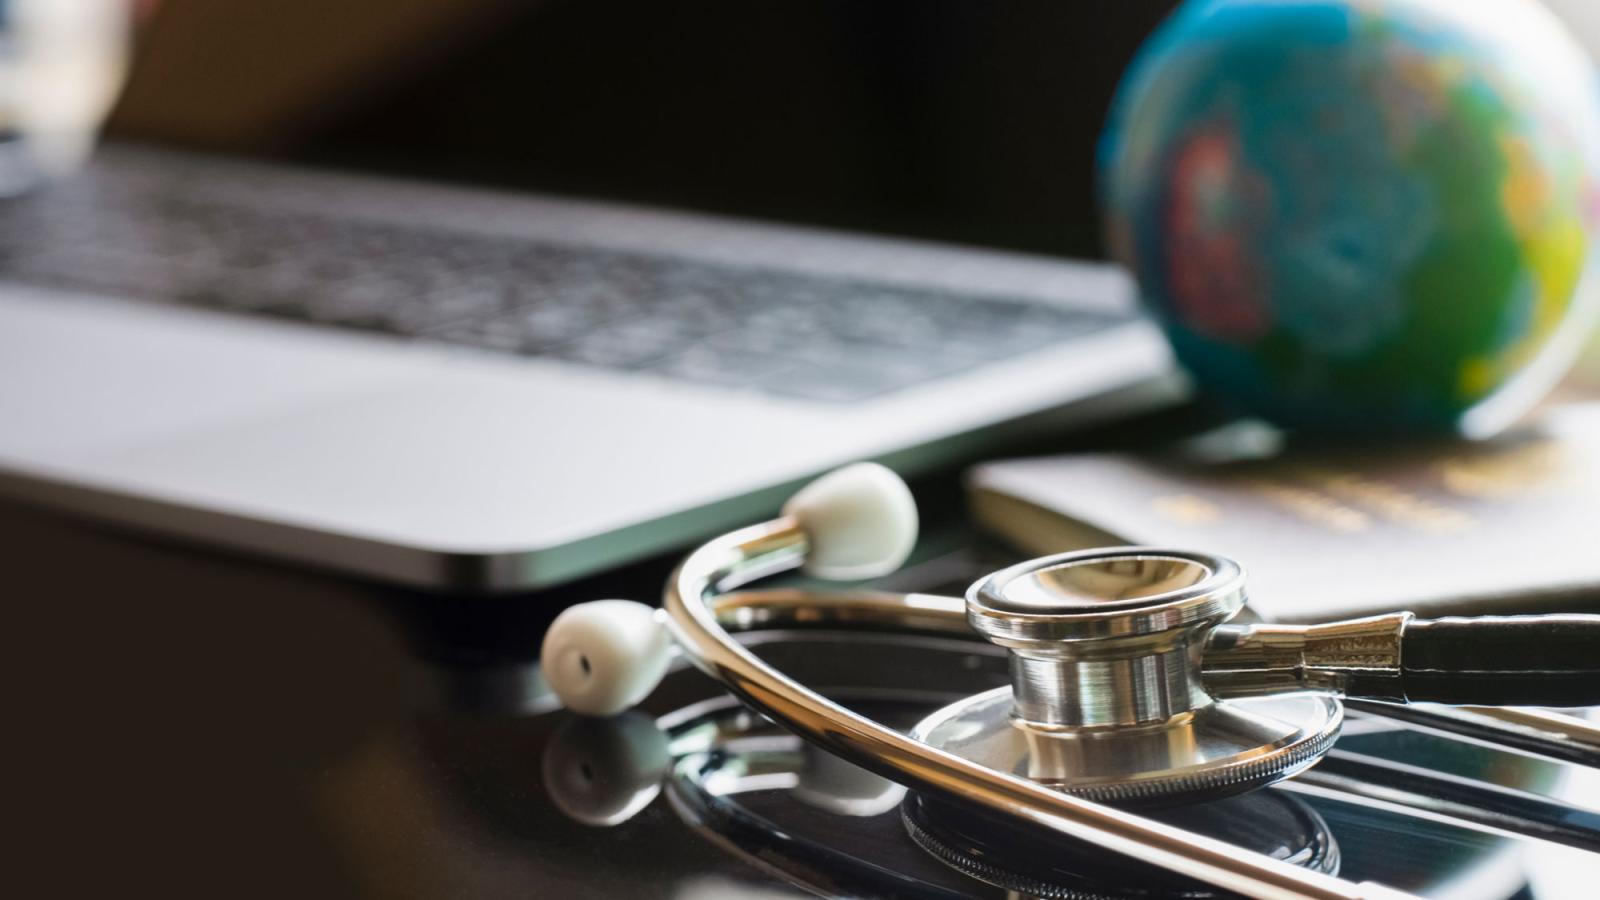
[{"x": 1549, "y": 660}]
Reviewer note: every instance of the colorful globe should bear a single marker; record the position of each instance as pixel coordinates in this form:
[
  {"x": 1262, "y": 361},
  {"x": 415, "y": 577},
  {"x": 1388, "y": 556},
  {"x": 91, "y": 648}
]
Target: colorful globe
[{"x": 1361, "y": 214}]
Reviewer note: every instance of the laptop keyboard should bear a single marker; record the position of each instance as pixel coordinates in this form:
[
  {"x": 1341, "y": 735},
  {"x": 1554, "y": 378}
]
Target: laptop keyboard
[{"x": 804, "y": 336}]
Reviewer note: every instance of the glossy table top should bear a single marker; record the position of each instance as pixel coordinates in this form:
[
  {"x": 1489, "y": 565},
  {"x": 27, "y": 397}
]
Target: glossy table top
[{"x": 207, "y": 725}]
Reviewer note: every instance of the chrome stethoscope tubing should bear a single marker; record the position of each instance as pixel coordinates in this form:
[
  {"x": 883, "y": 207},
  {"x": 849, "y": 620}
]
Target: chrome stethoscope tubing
[
  {"x": 1127, "y": 683},
  {"x": 700, "y": 612}
]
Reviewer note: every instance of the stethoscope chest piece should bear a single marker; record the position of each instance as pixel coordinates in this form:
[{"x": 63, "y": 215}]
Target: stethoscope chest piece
[{"x": 1106, "y": 700}]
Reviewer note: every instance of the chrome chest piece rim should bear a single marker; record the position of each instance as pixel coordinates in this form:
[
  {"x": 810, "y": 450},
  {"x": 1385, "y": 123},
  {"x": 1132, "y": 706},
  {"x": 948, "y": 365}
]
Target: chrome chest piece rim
[{"x": 1106, "y": 700}]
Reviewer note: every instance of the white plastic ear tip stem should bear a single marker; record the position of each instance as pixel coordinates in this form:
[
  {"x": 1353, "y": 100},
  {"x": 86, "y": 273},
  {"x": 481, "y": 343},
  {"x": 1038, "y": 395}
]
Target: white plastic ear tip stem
[
  {"x": 605, "y": 656},
  {"x": 860, "y": 520}
]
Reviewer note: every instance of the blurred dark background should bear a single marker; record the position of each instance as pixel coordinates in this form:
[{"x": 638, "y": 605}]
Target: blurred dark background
[{"x": 960, "y": 120}]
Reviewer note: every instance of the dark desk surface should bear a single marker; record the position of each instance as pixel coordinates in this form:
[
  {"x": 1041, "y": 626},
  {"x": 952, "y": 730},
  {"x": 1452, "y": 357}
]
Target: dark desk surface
[
  {"x": 218, "y": 726},
  {"x": 221, "y": 726}
]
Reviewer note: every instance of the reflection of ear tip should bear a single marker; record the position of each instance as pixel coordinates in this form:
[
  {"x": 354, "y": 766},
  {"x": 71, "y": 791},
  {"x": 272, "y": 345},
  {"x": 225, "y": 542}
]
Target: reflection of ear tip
[
  {"x": 602, "y": 772},
  {"x": 860, "y": 522},
  {"x": 604, "y": 656},
  {"x": 843, "y": 788}
]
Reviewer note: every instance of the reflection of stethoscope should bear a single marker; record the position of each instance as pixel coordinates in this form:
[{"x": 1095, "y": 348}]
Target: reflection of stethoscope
[
  {"x": 708, "y": 758},
  {"x": 1127, "y": 686}
]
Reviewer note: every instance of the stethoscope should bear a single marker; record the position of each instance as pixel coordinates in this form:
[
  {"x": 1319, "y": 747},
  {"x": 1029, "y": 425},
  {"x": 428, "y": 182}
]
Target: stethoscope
[{"x": 1128, "y": 688}]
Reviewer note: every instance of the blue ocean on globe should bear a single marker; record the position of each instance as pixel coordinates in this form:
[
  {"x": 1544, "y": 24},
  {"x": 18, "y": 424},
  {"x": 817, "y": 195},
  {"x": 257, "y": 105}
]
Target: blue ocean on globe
[{"x": 1361, "y": 214}]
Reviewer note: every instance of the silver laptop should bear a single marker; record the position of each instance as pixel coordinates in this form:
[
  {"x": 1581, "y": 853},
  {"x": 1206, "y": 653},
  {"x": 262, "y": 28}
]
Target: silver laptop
[
  {"x": 476, "y": 390},
  {"x": 467, "y": 389}
]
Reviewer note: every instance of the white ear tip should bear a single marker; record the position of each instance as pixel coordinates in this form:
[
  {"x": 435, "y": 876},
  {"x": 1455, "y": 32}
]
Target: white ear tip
[
  {"x": 605, "y": 656},
  {"x": 860, "y": 520}
]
